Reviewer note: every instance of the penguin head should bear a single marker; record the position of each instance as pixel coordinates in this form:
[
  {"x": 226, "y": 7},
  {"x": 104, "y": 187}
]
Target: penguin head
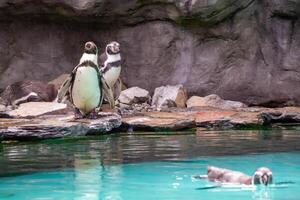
[
  {"x": 113, "y": 48},
  {"x": 90, "y": 48},
  {"x": 262, "y": 175}
]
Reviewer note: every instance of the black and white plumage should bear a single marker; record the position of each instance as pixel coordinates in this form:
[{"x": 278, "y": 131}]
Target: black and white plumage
[
  {"x": 112, "y": 67},
  {"x": 86, "y": 85}
]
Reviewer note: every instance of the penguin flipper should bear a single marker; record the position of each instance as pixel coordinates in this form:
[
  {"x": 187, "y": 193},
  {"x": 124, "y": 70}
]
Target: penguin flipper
[
  {"x": 107, "y": 93},
  {"x": 117, "y": 88},
  {"x": 64, "y": 89}
]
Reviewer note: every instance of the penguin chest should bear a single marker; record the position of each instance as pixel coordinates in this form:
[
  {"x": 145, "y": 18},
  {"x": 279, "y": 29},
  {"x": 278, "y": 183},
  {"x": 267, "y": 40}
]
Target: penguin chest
[
  {"x": 112, "y": 75},
  {"x": 86, "y": 91}
]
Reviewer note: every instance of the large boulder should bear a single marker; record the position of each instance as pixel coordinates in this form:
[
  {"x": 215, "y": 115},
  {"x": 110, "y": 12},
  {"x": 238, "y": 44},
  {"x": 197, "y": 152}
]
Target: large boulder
[
  {"x": 58, "y": 81},
  {"x": 213, "y": 101},
  {"x": 169, "y": 96},
  {"x": 243, "y": 50},
  {"x": 134, "y": 95},
  {"x": 26, "y": 91}
]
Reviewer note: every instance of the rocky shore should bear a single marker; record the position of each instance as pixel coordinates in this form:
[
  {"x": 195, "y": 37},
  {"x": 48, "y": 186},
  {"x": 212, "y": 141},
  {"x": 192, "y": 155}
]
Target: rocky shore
[
  {"x": 164, "y": 112},
  {"x": 231, "y": 59},
  {"x": 242, "y": 50}
]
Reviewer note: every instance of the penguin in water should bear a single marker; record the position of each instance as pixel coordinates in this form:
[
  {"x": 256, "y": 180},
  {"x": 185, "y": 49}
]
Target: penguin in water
[
  {"x": 112, "y": 67},
  {"x": 86, "y": 86},
  {"x": 262, "y": 176}
]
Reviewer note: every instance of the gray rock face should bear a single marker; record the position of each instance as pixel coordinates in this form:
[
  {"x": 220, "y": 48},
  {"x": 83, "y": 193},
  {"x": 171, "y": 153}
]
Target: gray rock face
[
  {"x": 243, "y": 50},
  {"x": 134, "y": 95},
  {"x": 169, "y": 96}
]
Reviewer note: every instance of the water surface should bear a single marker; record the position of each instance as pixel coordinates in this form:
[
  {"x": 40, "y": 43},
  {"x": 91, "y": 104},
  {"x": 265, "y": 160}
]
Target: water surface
[{"x": 149, "y": 166}]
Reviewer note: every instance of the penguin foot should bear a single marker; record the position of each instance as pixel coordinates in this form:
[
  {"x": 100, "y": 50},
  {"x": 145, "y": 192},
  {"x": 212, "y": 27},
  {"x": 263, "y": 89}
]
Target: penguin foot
[
  {"x": 93, "y": 115},
  {"x": 77, "y": 114}
]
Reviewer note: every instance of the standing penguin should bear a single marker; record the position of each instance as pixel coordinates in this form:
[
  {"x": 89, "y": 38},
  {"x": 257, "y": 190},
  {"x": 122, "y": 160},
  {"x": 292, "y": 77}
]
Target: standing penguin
[
  {"x": 86, "y": 85},
  {"x": 112, "y": 67}
]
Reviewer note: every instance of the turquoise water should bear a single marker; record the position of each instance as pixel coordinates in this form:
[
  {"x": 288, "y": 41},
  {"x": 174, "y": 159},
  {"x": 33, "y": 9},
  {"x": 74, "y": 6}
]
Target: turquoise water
[{"x": 149, "y": 166}]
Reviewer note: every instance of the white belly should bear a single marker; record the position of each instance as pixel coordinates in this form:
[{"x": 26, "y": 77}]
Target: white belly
[
  {"x": 112, "y": 75},
  {"x": 86, "y": 92}
]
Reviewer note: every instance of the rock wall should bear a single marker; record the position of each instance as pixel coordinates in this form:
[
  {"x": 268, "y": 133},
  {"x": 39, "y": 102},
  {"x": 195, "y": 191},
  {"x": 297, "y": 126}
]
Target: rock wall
[{"x": 244, "y": 50}]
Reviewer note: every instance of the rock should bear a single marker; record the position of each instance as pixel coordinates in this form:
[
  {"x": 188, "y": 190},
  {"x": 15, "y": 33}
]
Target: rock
[
  {"x": 202, "y": 117},
  {"x": 58, "y": 81},
  {"x": 34, "y": 109},
  {"x": 2, "y": 108},
  {"x": 227, "y": 119},
  {"x": 134, "y": 109},
  {"x": 158, "y": 121},
  {"x": 53, "y": 126},
  {"x": 2, "y": 102},
  {"x": 56, "y": 126},
  {"x": 213, "y": 101},
  {"x": 169, "y": 96},
  {"x": 282, "y": 115},
  {"x": 26, "y": 91},
  {"x": 134, "y": 95},
  {"x": 244, "y": 50}
]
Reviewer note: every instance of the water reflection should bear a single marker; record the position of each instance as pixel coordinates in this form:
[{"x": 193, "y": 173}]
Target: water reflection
[
  {"x": 87, "y": 180},
  {"x": 139, "y": 147},
  {"x": 263, "y": 194}
]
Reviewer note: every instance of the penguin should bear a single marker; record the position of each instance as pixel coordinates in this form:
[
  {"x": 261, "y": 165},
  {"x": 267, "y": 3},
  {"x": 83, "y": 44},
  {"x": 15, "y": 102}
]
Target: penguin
[
  {"x": 262, "y": 175},
  {"x": 86, "y": 86},
  {"x": 112, "y": 67}
]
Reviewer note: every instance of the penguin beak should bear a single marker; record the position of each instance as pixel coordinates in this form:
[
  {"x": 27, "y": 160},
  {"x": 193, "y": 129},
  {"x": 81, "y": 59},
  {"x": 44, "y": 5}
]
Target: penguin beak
[
  {"x": 264, "y": 179},
  {"x": 116, "y": 48}
]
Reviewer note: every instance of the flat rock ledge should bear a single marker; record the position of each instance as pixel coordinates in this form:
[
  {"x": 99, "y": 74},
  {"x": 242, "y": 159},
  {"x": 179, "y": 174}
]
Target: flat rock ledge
[
  {"x": 158, "y": 121},
  {"x": 210, "y": 118},
  {"x": 64, "y": 125},
  {"x": 56, "y": 126}
]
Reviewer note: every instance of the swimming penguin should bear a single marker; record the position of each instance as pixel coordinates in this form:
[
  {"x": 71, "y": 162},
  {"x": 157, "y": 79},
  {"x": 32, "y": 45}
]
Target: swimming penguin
[
  {"x": 112, "y": 67},
  {"x": 86, "y": 85},
  {"x": 262, "y": 175}
]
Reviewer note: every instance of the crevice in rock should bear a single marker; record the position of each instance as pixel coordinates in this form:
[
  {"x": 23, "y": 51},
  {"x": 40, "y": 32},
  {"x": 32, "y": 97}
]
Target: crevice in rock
[
  {"x": 284, "y": 16},
  {"x": 261, "y": 55},
  {"x": 293, "y": 22}
]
